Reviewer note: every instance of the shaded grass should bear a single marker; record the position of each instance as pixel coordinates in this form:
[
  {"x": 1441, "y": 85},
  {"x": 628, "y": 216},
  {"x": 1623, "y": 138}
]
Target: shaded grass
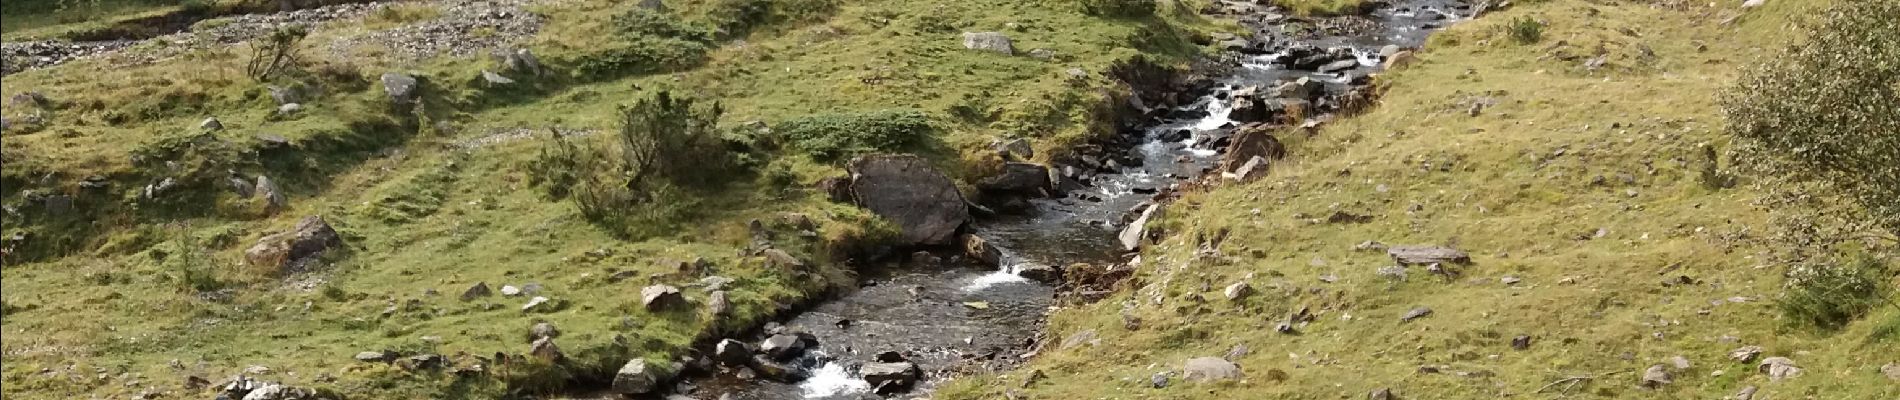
[{"x": 1518, "y": 187}]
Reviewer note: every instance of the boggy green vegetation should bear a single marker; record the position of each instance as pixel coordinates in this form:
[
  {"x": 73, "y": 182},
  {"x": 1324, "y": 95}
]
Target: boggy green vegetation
[
  {"x": 1660, "y": 199},
  {"x": 110, "y": 291}
]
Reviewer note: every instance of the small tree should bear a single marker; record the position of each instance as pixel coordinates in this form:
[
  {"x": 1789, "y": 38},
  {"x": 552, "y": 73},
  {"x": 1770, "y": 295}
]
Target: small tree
[
  {"x": 1829, "y": 106},
  {"x": 276, "y": 53}
]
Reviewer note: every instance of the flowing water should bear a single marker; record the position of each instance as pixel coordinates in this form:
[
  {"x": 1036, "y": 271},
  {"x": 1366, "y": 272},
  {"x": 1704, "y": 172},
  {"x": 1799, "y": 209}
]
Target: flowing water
[{"x": 954, "y": 318}]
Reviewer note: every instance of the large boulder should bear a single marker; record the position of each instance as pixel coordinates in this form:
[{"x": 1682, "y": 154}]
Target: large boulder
[
  {"x": 889, "y": 377},
  {"x": 1249, "y": 143},
  {"x": 907, "y": 190},
  {"x": 636, "y": 377},
  {"x": 291, "y": 252},
  {"x": 731, "y": 352},
  {"x": 994, "y": 42},
  {"x": 783, "y": 346},
  {"x": 658, "y": 298},
  {"x": 1209, "y": 369},
  {"x": 1017, "y": 177}
]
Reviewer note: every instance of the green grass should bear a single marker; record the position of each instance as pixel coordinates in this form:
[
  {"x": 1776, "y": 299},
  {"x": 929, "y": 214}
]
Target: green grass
[
  {"x": 421, "y": 213},
  {"x": 1516, "y": 186},
  {"x": 52, "y": 18}
]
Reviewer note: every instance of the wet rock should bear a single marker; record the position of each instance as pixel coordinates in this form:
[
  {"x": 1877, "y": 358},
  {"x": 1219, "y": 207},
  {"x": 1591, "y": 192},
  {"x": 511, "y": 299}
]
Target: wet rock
[
  {"x": 1415, "y": 313},
  {"x": 401, "y": 88},
  {"x": 636, "y": 378},
  {"x": 545, "y": 350},
  {"x": 977, "y": 248},
  {"x": 1300, "y": 89},
  {"x": 1209, "y": 369},
  {"x": 1421, "y": 255},
  {"x": 211, "y": 124},
  {"x": 718, "y": 304},
  {"x": 1778, "y": 368},
  {"x": 908, "y": 191},
  {"x": 994, "y": 42},
  {"x": 889, "y": 357},
  {"x": 925, "y": 259},
  {"x": 731, "y": 352},
  {"x": 889, "y": 377},
  {"x": 290, "y": 252},
  {"x": 1017, "y": 177},
  {"x": 480, "y": 290},
  {"x": 782, "y": 346},
  {"x": 658, "y": 298},
  {"x": 1136, "y": 233},
  {"x": 1248, "y": 144},
  {"x": 542, "y": 330},
  {"x": 773, "y": 370},
  {"x": 1338, "y": 66},
  {"x": 1040, "y": 273},
  {"x": 1656, "y": 376}
]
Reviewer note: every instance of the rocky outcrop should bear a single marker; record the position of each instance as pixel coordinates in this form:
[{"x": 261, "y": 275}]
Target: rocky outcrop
[
  {"x": 908, "y": 191},
  {"x": 291, "y": 252}
]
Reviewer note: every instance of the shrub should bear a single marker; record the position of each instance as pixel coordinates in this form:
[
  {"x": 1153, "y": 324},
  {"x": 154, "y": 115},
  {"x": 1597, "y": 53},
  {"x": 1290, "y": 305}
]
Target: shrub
[
  {"x": 275, "y": 54},
  {"x": 1119, "y": 8},
  {"x": 829, "y": 137},
  {"x": 1829, "y": 106},
  {"x": 664, "y": 145},
  {"x": 1830, "y": 296},
  {"x": 1525, "y": 30}
]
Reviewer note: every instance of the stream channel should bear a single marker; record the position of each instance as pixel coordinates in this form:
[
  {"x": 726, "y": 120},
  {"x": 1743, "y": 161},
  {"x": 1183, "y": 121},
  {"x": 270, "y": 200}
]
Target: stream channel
[{"x": 949, "y": 318}]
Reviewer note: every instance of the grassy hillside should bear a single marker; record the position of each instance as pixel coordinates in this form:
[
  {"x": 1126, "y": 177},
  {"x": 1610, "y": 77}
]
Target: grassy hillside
[
  {"x": 121, "y": 295},
  {"x": 1584, "y": 192}
]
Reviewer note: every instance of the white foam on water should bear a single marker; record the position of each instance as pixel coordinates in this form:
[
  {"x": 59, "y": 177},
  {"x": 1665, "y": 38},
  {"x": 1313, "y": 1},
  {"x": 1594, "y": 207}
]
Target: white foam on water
[
  {"x": 985, "y": 281},
  {"x": 831, "y": 380},
  {"x": 1217, "y": 113}
]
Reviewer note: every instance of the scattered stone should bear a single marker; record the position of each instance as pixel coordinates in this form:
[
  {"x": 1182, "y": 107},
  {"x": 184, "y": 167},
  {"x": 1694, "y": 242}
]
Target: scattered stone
[
  {"x": 1510, "y": 280},
  {"x": 908, "y": 190},
  {"x": 1015, "y": 149},
  {"x": 545, "y": 350},
  {"x": 1521, "y": 342},
  {"x": 536, "y": 304},
  {"x": 889, "y": 377},
  {"x": 1209, "y": 369},
  {"x": 1043, "y": 54},
  {"x": 1778, "y": 368},
  {"x": 1079, "y": 339},
  {"x": 717, "y": 304},
  {"x": 1238, "y": 290},
  {"x": 375, "y": 356},
  {"x": 635, "y": 378},
  {"x": 1656, "y": 376},
  {"x": 280, "y": 392},
  {"x": 1415, "y": 313},
  {"x": 283, "y": 95},
  {"x": 1747, "y": 393},
  {"x": 1400, "y": 60},
  {"x": 994, "y": 42},
  {"x": 424, "y": 362},
  {"x": 1159, "y": 380},
  {"x": 211, "y": 124},
  {"x": 1392, "y": 272},
  {"x": 480, "y": 290},
  {"x": 273, "y": 197},
  {"x": 288, "y": 109},
  {"x": 1745, "y": 353},
  {"x": 1017, "y": 177},
  {"x": 1421, "y": 255},
  {"x": 290, "y": 252},
  {"x": 1680, "y": 363},
  {"x": 658, "y": 298},
  {"x": 510, "y": 290},
  {"x": 1136, "y": 233},
  {"x": 1382, "y": 394},
  {"x": 781, "y": 259},
  {"x": 542, "y": 330},
  {"x": 1892, "y": 371},
  {"x": 731, "y": 352},
  {"x": 495, "y": 79},
  {"x": 1248, "y": 144},
  {"x": 400, "y": 87}
]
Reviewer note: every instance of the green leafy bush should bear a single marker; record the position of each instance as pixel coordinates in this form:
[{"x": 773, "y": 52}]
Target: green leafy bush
[
  {"x": 1831, "y": 106},
  {"x": 1830, "y": 296},
  {"x": 1119, "y": 8},
  {"x": 1525, "y": 30},
  {"x": 829, "y": 137}
]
